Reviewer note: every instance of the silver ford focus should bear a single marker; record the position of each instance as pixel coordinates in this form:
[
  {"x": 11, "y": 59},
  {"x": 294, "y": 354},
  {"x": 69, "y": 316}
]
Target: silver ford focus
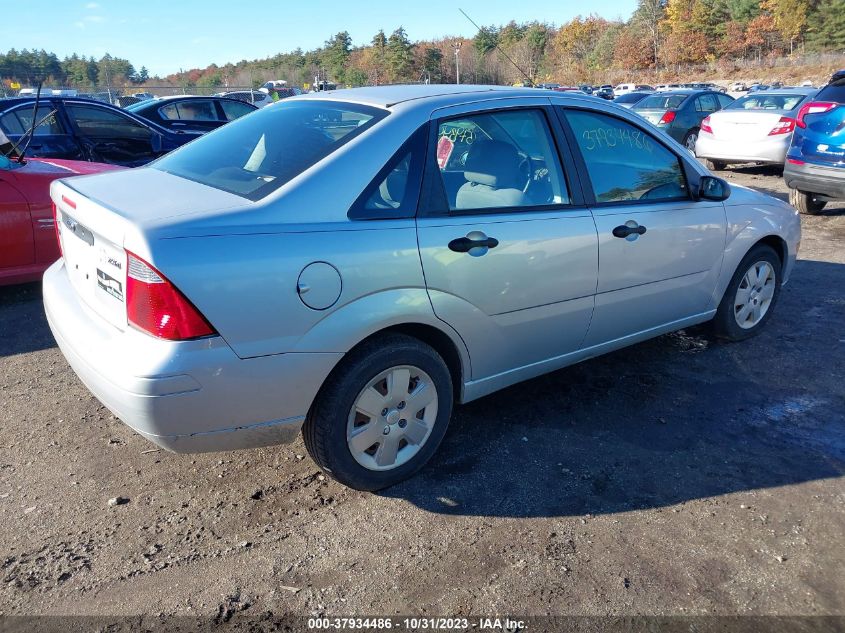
[{"x": 352, "y": 264}]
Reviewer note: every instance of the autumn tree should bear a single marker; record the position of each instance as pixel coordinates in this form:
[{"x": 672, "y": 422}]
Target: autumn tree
[{"x": 790, "y": 17}]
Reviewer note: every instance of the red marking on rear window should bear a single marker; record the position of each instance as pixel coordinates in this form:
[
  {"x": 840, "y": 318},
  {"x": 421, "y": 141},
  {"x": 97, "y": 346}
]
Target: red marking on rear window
[{"x": 69, "y": 202}]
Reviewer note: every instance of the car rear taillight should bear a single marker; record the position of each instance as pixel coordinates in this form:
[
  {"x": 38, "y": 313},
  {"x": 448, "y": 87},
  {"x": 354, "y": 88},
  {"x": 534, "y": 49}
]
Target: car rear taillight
[
  {"x": 795, "y": 161},
  {"x": 667, "y": 117},
  {"x": 155, "y": 306},
  {"x": 814, "y": 107},
  {"x": 784, "y": 126},
  {"x": 705, "y": 125},
  {"x": 56, "y": 227}
]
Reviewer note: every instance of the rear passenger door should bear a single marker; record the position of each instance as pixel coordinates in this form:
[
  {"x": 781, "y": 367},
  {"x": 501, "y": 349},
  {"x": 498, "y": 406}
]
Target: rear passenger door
[
  {"x": 194, "y": 116},
  {"x": 660, "y": 251},
  {"x": 508, "y": 248}
]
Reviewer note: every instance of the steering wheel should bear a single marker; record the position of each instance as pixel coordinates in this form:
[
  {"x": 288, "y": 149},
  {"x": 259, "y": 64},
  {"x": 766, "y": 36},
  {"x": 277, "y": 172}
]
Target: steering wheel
[{"x": 525, "y": 169}]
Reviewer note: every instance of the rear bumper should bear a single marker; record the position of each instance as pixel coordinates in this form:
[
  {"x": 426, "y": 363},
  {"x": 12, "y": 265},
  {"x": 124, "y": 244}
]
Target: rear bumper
[
  {"x": 190, "y": 396},
  {"x": 770, "y": 150},
  {"x": 825, "y": 181}
]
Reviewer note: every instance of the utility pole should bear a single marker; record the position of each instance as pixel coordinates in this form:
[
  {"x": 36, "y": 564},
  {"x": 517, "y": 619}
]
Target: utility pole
[{"x": 457, "y": 46}]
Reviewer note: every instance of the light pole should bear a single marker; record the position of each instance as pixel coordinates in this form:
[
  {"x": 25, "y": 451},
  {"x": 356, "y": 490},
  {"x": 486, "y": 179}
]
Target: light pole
[{"x": 457, "y": 47}]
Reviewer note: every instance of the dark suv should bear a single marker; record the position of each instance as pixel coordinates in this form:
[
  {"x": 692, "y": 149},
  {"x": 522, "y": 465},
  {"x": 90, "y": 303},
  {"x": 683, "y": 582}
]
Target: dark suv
[{"x": 815, "y": 162}]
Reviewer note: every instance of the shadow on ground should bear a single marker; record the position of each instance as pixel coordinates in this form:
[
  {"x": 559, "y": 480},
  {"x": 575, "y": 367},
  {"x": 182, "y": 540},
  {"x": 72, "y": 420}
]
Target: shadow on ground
[
  {"x": 23, "y": 325},
  {"x": 676, "y": 418}
]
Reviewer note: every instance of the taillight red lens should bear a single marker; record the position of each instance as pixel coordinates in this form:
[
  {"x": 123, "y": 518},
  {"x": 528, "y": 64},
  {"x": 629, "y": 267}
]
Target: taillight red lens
[
  {"x": 667, "y": 117},
  {"x": 155, "y": 306},
  {"x": 705, "y": 125},
  {"x": 56, "y": 227},
  {"x": 814, "y": 107},
  {"x": 784, "y": 126}
]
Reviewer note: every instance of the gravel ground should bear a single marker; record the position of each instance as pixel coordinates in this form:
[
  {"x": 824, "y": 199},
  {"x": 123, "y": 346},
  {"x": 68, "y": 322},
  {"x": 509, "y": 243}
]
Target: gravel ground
[{"x": 678, "y": 476}]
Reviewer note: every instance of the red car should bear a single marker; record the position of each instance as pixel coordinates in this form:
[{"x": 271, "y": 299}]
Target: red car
[{"x": 28, "y": 242}]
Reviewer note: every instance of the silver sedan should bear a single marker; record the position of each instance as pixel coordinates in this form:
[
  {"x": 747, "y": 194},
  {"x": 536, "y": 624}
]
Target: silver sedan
[
  {"x": 756, "y": 128},
  {"x": 353, "y": 264}
]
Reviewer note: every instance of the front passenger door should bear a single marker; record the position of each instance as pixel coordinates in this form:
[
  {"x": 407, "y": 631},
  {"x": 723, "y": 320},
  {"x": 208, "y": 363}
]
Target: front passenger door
[
  {"x": 111, "y": 137},
  {"x": 509, "y": 253},
  {"x": 660, "y": 251}
]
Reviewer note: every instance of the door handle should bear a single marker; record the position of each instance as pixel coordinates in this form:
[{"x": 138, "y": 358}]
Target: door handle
[
  {"x": 474, "y": 240},
  {"x": 628, "y": 229}
]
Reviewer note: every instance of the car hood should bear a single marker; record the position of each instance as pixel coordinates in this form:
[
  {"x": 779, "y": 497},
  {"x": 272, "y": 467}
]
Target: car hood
[{"x": 744, "y": 196}]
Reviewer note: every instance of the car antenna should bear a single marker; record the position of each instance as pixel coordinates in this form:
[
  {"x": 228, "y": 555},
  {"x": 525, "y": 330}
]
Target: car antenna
[
  {"x": 31, "y": 131},
  {"x": 504, "y": 54}
]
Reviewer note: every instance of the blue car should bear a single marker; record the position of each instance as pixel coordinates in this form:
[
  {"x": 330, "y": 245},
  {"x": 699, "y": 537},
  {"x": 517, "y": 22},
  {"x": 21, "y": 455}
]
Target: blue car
[
  {"x": 815, "y": 161},
  {"x": 84, "y": 129}
]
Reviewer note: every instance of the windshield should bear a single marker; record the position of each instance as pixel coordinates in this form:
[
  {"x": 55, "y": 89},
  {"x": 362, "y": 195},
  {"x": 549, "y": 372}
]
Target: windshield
[
  {"x": 256, "y": 155},
  {"x": 768, "y": 101},
  {"x": 661, "y": 102}
]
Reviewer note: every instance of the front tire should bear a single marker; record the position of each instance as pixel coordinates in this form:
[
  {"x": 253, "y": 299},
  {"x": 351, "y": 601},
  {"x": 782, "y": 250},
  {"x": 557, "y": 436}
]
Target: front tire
[
  {"x": 751, "y": 295},
  {"x": 381, "y": 414},
  {"x": 806, "y": 202},
  {"x": 714, "y": 165}
]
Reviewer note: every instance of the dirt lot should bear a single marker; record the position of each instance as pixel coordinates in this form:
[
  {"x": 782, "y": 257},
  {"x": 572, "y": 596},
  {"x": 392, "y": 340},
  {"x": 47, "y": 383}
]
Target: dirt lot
[{"x": 679, "y": 476}]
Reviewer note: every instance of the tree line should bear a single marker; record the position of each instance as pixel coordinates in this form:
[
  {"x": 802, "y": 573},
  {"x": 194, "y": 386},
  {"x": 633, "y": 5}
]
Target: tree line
[{"x": 661, "y": 34}]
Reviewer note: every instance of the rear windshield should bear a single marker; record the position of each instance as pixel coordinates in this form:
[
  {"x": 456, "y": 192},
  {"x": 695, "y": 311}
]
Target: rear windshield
[
  {"x": 631, "y": 97},
  {"x": 767, "y": 101},
  {"x": 834, "y": 91},
  {"x": 661, "y": 102},
  {"x": 256, "y": 155}
]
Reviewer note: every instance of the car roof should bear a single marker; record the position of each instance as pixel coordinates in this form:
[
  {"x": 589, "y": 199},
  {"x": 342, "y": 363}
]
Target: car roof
[
  {"x": 786, "y": 91},
  {"x": 388, "y": 96}
]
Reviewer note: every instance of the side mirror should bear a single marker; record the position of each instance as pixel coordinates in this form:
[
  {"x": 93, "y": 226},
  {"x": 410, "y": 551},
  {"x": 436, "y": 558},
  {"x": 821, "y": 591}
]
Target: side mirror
[{"x": 712, "y": 188}]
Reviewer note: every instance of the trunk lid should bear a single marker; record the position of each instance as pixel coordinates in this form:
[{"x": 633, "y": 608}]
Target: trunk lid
[
  {"x": 652, "y": 116},
  {"x": 100, "y": 216},
  {"x": 739, "y": 125}
]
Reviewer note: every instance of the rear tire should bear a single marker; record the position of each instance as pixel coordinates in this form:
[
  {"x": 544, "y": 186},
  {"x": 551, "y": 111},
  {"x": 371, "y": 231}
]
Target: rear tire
[
  {"x": 714, "y": 165},
  {"x": 750, "y": 297},
  {"x": 690, "y": 139},
  {"x": 337, "y": 417},
  {"x": 806, "y": 202}
]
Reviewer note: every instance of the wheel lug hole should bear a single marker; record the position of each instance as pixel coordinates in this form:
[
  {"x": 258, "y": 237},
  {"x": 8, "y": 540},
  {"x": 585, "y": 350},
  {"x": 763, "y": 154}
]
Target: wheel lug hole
[
  {"x": 403, "y": 423},
  {"x": 383, "y": 412},
  {"x": 401, "y": 405},
  {"x": 386, "y": 430}
]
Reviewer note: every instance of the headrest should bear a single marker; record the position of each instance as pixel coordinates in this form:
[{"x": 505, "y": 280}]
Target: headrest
[{"x": 493, "y": 163}]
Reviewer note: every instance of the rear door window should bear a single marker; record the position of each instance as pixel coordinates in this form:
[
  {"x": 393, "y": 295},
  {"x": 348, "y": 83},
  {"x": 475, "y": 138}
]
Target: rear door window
[
  {"x": 706, "y": 103},
  {"x": 499, "y": 160},
  {"x": 19, "y": 120},
  {"x": 624, "y": 162},
  {"x": 235, "y": 109},
  {"x": 189, "y": 111}
]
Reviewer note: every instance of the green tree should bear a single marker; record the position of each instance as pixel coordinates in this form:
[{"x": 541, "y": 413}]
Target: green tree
[
  {"x": 336, "y": 53},
  {"x": 826, "y": 26},
  {"x": 433, "y": 64},
  {"x": 400, "y": 55}
]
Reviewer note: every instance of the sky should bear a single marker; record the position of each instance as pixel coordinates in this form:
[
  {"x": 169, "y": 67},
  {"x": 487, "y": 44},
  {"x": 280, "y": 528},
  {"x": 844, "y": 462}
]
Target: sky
[{"x": 169, "y": 35}]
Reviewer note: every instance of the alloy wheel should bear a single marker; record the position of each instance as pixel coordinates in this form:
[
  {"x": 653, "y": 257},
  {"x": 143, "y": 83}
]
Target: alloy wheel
[{"x": 754, "y": 294}]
